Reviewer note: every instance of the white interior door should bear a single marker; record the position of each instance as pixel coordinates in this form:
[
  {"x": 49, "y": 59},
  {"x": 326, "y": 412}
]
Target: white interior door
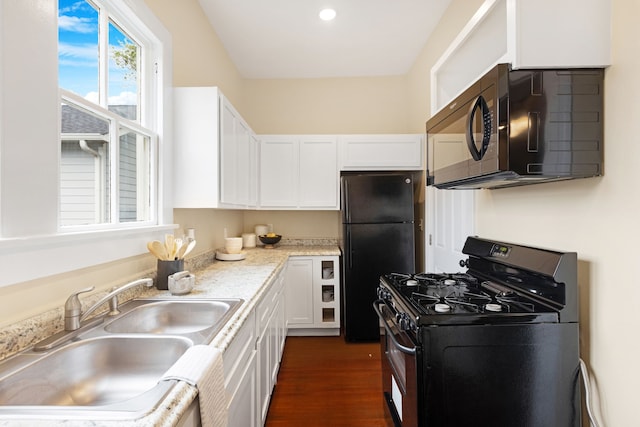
[{"x": 450, "y": 219}]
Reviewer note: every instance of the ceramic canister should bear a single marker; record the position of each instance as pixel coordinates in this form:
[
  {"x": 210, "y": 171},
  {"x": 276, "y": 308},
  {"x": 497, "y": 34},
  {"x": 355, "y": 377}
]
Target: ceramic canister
[
  {"x": 261, "y": 230},
  {"x": 249, "y": 240}
]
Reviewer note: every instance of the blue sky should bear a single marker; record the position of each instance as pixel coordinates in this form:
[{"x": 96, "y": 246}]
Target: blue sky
[{"x": 78, "y": 54}]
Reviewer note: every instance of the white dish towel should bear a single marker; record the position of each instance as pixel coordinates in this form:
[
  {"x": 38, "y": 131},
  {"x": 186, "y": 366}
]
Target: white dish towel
[{"x": 201, "y": 366}]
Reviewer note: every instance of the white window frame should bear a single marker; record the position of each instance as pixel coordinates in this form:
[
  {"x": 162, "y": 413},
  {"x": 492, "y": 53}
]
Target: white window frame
[
  {"x": 116, "y": 123},
  {"x": 32, "y": 245}
]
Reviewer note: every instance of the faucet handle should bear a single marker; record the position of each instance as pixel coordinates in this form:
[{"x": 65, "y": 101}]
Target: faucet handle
[
  {"x": 73, "y": 310},
  {"x": 72, "y": 306}
]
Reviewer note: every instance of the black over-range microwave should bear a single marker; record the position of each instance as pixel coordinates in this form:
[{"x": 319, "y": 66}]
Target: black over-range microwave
[{"x": 516, "y": 127}]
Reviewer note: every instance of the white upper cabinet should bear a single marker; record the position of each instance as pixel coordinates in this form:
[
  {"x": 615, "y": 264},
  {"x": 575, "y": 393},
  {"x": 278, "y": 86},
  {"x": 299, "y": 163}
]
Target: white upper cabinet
[
  {"x": 236, "y": 161},
  {"x": 229, "y": 152},
  {"x": 318, "y": 174},
  {"x": 278, "y": 172},
  {"x": 526, "y": 34},
  {"x": 219, "y": 162},
  {"x": 215, "y": 152},
  {"x": 381, "y": 152},
  {"x": 298, "y": 172},
  {"x": 196, "y": 147},
  {"x": 254, "y": 168}
]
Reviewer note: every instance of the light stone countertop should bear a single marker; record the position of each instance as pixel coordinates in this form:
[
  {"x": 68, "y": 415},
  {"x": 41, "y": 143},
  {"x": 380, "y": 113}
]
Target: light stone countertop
[{"x": 247, "y": 279}]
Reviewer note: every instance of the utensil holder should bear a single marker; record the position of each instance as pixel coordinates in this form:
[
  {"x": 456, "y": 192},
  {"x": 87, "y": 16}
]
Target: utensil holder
[{"x": 166, "y": 269}]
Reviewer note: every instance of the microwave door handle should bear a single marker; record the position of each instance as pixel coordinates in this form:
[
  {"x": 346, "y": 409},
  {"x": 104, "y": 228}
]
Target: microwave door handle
[{"x": 480, "y": 104}]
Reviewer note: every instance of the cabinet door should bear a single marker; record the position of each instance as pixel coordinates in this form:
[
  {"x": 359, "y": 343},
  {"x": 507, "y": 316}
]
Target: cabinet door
[
  {"x": 254, "y": 151},
  {"x": 264, "y": 375},
  {"x": 318, "y": 173},
  {"x": 274, "y": 345},
  {"x": 278, "y": 172},
  {"x": 228, "y": 153},
  {"x": 242, "y": 409},
  {"x": 381, "y": 152},
  {"x": 299, "y": 292},
  {"x": 282, "y": 325},
  {"x": 243, "y": 162},
  {"x": 326, "y": 288},
  {"x": 235, "y": 157},
  {"x": 196, "y": 126}
]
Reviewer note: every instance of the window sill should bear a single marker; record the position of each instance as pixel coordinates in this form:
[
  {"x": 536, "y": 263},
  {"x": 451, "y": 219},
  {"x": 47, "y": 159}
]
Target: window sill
[{"x": 35, "y": 257}]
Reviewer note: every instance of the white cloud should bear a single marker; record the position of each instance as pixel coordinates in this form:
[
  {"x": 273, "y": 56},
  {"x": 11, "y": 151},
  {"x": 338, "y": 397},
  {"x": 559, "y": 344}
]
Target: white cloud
[
  {"x": 86, "y": 51},
  {"x": 92, "y": 96},
  {"x": 124, "y": 98},
  {"x": 76, "y": 24},
  {"x": 79, "y": 5}
]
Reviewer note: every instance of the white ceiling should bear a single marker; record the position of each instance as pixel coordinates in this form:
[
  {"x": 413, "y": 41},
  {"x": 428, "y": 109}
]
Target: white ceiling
[{"x": 286, "y": 39}]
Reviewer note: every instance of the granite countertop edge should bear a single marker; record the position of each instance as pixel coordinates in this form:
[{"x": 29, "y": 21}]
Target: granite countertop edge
[{"x": 247, "y": 279}]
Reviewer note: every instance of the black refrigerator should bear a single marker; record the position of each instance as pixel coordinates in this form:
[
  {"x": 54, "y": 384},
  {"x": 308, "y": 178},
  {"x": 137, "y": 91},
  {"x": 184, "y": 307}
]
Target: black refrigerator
[{"x": 380, "y": 229}]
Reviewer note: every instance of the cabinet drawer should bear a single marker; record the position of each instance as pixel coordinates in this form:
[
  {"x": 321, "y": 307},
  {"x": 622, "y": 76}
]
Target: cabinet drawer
[{"x": 268, "y": 303}]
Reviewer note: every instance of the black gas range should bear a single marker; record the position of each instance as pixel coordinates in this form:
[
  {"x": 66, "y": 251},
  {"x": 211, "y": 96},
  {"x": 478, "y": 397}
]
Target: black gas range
[{"x": 495, "y": 345}]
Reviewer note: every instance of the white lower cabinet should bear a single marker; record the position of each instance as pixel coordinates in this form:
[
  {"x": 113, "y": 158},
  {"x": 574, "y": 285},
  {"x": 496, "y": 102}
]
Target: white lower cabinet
[
  {"x": 243, "y": 408},
  {"x": 299, "y": 292},
  {"x": 269, "y": 344},
  {"x": 239, "y": 361},
  {"x": 313, "y": 295}
]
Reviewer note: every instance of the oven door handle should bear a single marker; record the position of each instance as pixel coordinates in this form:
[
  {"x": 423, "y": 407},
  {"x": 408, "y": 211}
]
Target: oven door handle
[{"x": 402, "y": 348}]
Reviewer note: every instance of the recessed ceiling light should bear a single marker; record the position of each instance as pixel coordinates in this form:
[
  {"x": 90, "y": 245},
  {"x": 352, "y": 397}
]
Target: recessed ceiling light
[{"x": 327, "y": 14}]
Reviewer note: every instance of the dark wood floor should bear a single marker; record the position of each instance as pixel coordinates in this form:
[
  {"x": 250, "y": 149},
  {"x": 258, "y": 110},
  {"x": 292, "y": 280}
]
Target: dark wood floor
[{"x": 324, "y": 381}]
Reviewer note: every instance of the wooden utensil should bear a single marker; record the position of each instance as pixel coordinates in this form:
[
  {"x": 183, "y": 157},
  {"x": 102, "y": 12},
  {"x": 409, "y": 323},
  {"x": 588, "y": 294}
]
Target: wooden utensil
[
  {"x": 158, "y": 250},
  {"x": 169, "y": 243},
  {"x": 188, "y": 248}
]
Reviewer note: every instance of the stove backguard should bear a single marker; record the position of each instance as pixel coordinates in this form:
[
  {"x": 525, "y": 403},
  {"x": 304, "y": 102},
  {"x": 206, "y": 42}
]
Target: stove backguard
[{"x": 545, "y": 275}]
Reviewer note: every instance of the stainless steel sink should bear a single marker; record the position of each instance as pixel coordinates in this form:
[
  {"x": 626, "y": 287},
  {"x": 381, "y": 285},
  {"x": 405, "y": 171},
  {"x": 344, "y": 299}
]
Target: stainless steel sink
[
  {"x": 97, "y": 371},
  {"x": 111, "y": 370},
  {"x": 199, "y": 320}
]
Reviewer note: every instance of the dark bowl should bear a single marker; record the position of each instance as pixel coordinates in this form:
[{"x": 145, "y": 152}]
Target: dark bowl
[{"x": 270, "y": 240}]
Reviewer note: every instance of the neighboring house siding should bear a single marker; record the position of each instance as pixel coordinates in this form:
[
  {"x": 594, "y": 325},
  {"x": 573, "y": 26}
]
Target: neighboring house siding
[
  {"x": 128, "y": 179},
  {"x": 84, "y": 178},
  {"x": 78, "y": 186}
]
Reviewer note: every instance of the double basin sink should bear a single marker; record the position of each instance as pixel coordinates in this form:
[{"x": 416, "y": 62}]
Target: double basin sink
[{"x": 111, "y": 368}]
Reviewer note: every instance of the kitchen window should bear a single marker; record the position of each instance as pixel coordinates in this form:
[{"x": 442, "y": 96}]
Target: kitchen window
[
  {"x": 107, "y": 149},
  {"x": 118, "y": 164}
]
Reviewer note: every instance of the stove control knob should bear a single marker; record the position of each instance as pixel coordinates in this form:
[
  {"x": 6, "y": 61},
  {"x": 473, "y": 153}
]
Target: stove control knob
[
  {"x": 384, "y": 294},
  {"x": 404, "y": 321},
  {"x": 464, "y": 263}
]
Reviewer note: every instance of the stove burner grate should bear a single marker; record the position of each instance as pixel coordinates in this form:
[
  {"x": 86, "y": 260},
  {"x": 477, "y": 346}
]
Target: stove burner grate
[{"x": 457, "y": 293}]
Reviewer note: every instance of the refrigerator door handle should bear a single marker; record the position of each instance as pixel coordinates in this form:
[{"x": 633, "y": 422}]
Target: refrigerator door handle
[
  {"x": 347, "y": 209},
  {"x": 350, "y": 249}
]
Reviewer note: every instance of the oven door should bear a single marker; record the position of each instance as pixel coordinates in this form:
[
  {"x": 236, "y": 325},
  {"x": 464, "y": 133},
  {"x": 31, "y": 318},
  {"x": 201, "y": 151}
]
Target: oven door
[{"x": 399, "y": 368}]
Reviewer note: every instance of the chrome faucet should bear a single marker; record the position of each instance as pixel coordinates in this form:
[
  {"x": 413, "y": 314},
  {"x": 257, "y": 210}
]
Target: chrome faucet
[{"x": 73, "y": 315}]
